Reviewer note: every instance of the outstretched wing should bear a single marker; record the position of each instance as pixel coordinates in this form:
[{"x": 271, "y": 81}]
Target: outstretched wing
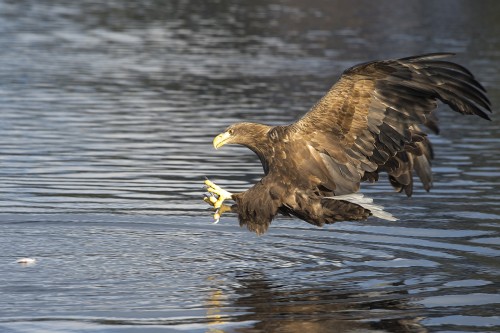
[{"x": 369, "y": 119}]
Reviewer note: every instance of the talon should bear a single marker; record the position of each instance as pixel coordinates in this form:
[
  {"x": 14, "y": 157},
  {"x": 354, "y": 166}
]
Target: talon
[
  {"x": 219, "y": 192},
  {"x": 219, "y": 202},
  {"x": 211, "y": 185},
  {"x": 219, "y": 211},
  {"x": 216, "y": 216},
  {"x": 216, "y": 198},
  {"x": 210, "y": 199}
]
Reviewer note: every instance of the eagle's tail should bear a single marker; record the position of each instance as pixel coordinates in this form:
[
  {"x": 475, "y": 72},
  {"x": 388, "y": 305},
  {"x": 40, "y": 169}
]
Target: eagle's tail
[{"x": 366, "y": 203}]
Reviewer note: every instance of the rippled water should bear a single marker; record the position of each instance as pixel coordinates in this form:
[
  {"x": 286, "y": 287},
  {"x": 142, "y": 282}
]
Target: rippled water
[{"x": 108, "y": 110}]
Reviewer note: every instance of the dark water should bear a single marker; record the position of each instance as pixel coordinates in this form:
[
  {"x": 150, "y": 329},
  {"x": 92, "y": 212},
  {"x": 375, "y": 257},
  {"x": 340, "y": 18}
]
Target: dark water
[{"x": 107, "y": 112}]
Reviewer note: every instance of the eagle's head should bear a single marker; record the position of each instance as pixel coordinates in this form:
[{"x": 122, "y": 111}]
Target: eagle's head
[{"x": 246, "y": 134}]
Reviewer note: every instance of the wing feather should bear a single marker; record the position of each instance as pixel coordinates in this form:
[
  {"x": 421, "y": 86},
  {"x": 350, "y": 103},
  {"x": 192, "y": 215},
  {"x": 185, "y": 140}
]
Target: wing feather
[{"x": 368, "y": 120}]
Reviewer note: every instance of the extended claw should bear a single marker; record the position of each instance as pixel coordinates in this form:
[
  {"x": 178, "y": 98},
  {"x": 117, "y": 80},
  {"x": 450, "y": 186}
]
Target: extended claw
[
  {"x": 218, "y": 212},
  {"x": 217, "y": 190},
  {"x": 216, "y": 199},
  {"x": 216, "y": 216},
  {"x": 210, "y": 199}
]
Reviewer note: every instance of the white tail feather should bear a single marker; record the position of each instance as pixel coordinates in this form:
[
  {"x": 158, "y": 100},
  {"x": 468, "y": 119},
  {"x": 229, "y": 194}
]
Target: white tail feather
[{"x": 367, "y": 203}]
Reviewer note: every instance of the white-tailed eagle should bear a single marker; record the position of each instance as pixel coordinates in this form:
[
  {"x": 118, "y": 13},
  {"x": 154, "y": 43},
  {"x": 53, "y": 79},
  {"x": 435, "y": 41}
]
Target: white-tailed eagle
[{"x": 368, "y": 122}]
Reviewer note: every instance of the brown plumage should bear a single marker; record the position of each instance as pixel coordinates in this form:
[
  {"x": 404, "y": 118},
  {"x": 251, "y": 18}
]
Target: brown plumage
[{"x": 368, "y": 122}]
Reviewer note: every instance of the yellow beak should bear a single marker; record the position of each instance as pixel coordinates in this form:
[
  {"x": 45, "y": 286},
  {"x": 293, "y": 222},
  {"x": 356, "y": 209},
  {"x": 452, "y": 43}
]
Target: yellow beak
[{"x": 221, "y": 139}]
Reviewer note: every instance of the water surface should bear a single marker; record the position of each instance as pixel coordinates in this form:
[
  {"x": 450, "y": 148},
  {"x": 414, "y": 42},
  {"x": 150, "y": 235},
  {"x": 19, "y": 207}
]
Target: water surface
[{"x": 107, "y": 115}]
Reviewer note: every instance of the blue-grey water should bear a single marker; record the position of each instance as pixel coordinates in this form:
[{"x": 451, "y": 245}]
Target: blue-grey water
[{"x": 107, "y": 113}]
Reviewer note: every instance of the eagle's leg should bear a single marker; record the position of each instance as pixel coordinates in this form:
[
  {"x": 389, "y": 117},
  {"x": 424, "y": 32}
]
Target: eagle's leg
[{"x": 216, "y": 200}]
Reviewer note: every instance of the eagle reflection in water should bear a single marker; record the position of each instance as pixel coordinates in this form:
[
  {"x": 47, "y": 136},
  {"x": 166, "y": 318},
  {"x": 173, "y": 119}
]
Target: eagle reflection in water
[{"x": 269, "y": 308}]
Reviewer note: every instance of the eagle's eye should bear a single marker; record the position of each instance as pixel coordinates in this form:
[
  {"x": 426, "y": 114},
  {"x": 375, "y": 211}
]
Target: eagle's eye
[{"x": 231, "y": 131}]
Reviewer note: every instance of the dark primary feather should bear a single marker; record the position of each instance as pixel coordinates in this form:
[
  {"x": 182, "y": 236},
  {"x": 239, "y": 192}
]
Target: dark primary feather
[
  {"x": 374, "y": 110},
  {"x": 368, "y": 122}
]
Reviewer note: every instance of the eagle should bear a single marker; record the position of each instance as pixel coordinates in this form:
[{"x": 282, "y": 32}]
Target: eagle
[{"x": 369, "y": 122}]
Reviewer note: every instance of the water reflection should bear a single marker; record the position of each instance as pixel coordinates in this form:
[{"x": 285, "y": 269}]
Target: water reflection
[{"x": 271, "y": 308}]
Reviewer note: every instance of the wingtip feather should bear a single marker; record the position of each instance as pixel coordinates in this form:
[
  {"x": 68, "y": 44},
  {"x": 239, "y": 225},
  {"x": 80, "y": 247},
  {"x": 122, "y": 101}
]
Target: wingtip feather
[{"x": 429, "y": 56}]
